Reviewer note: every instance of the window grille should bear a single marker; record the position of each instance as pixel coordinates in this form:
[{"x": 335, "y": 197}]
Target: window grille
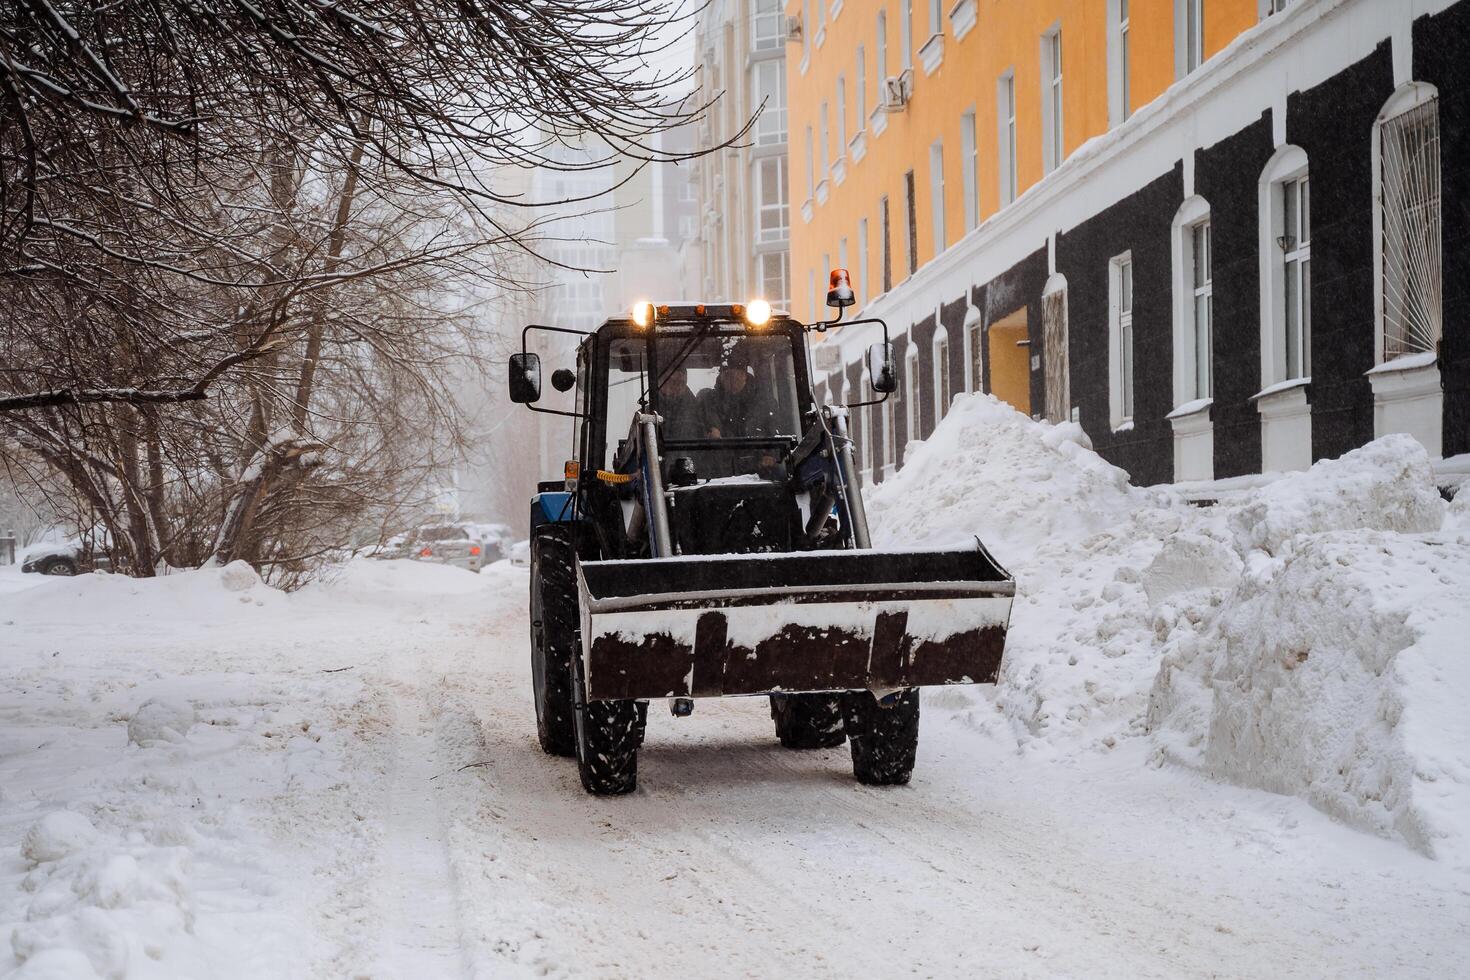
[
  {"x": 1413, "y": 283},
  {"x": 1296, "y": 247},
  {"x": 1203, "y": 312}
]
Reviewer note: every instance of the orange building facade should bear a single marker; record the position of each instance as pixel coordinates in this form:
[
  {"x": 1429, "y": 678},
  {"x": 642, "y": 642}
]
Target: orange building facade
[{"x": 1023, "y": 190}]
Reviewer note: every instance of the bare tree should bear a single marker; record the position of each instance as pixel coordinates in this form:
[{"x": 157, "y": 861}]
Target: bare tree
[{"x": 278, "y": 205}]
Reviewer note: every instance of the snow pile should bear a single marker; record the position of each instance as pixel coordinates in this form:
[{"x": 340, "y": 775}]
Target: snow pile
[
  {"x": 160, "y": 720},
  {"x": 991, "y": 471},
  {"x": 1306, "y": 638},
  {"x": 1386, "y": 485},
  {"x": 1076, "y": 536},
  {"x": 223, "y": 595},
  {"x": 99, "y": 906},
  {"x": 1335, "y": 668}
]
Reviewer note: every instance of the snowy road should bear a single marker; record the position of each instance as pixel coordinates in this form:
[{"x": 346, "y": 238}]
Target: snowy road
[{"x": 396, "y": 819}]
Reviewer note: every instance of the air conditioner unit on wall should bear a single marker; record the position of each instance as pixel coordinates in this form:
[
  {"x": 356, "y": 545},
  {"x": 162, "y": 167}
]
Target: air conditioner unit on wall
[
  {"x": 793, "y": 28},
  {"x": 897, "y": 90}
]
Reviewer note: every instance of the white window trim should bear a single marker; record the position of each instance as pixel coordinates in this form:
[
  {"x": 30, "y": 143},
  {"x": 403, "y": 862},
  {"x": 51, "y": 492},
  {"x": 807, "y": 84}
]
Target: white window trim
[
  {"x": 1118, "y": 89},
  {"x": 1408, "y": 96},
  {"x": 970, "y": 167},
  {"x": 1192, "y": 212},
  {"x": 864, "y": 418},
  {"x": 931, "y": 54},
  {"x": 938, "y": 369},
  {"x": 962, "y": 18},
  {"x": 1287, "y": 163},
  {"x": 972, "y": 320},
  {"x": 936, "y": 195},
  {"x": 1053, "y": 96},
  {"x": 862, "y": 289},
  {"x": 1118, "y": 419},
  {"x": 911, "y": 394},
  {"x": 1182, "y": 39},
  {"x": 1005, "y": 113}
]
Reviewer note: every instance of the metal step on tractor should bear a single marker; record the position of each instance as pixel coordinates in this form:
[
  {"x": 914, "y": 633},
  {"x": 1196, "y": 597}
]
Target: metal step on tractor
[{"x": 709, "y": 540}]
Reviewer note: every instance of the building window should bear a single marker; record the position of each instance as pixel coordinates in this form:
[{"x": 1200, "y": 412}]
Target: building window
[
  {"x": 942, "y": 392},
  {"x": 860, "y": 90},
  {"x": 862, "y": 283},
  {"x": 1274, "y": 6},
  {"x": 912, "y": 219},
  {"x": 936, "y": 193},
  {"x": 841, "y": 115},
  {"x": 773, "y": 213},
  {"x": 882, "y": 52},
  {"x": 974, "y": 343},
  {"x": 1410, "y": 288},
  {"x": 1052, "y": 146},
  {"x": 1006, "y": 112},
  {"x": 826, "y": 143},
  {"x": 911, "y": 392},
  {"x": 906, "y": 33},
  {"x": 1189, "y": 26},
  {"x": 887, "y": 243},
  {"x": 970, "y": 163},
  {"x": 811, "y": 165},
  {"x": 808, "y": 28},
  {"x": 775, "y": 275},
  {"x": 768, "y": 26},
  {"x": 770, "y": 92},
  {"x": 936, "y": 17},
  {"x": 1119, "y": 87},
  {"x": 1203, "y": 293},
  {"x": 1120, "y": 336},
  {"x": 1296, "y": 256},
  {"x": 842, "y": 253},
  {"x": 811, "y": 296},
  {"x": 1194, "y": 302}
]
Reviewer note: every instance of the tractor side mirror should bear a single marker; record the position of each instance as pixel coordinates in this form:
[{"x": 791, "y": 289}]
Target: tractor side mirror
[
  {"x": 880, "y": 368},
  {"x": 525, "y": 378},
  {"x": 563, "y": 379}
]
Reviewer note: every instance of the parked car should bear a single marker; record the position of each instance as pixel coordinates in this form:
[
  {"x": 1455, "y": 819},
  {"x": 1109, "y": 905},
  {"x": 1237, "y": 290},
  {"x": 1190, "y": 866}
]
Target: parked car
[
  {"x": 446, "y": 544},
  {"x": 70, "y": 557},
  {"x": 520, "y": 554}
]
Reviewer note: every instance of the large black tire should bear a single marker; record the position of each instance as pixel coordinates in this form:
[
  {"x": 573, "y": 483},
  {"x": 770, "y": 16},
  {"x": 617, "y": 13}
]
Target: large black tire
[
  {"x": 608, "y": 736},
  {"x": 553, "y": 638},
  {"x": 59, "y": 566},
  {"x": 884, "y": 736},
  {"x": 808, "y": 721}
]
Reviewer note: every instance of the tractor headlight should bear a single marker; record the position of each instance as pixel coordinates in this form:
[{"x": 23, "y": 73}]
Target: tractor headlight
[
  {"x": 642, "y": 315},
  {"x": 758, "y": 313}
]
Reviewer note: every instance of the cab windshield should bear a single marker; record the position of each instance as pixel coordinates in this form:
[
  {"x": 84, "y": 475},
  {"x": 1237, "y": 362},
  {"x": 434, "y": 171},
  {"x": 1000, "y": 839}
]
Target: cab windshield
[{"x": 726, "y": 386}]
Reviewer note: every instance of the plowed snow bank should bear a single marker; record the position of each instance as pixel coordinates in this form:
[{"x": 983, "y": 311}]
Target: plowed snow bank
[{"x": 1307, "y": 639}]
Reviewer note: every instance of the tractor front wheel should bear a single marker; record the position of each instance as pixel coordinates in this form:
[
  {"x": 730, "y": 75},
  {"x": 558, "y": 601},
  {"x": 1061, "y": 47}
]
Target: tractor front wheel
[
  {"x": 884, "y": 734},
  {"x": 808, "y": 721},
  {"x": 553, "y": 638}
]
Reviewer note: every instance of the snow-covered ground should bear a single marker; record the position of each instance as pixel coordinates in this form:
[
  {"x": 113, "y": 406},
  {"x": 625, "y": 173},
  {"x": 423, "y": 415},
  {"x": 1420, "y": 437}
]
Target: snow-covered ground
[{"x": 203, "y": 777}]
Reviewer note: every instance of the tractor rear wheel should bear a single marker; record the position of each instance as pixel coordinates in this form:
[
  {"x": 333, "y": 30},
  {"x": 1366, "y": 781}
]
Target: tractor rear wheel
[
  {"x": 808, "y": 721},
  {"x": 884, "y": 735},
  {"x": 553, "y": 638},
  {"x": 608, "y": 736}
]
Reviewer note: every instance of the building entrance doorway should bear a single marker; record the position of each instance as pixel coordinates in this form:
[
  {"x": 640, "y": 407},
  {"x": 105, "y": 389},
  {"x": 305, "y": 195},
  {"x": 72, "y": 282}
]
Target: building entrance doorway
[{"x": 1007, "y": 345}]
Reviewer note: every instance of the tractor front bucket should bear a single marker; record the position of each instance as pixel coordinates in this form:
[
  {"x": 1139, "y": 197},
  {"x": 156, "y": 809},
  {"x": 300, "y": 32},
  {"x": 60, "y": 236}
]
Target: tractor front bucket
[{"x": 710, "y": 626}]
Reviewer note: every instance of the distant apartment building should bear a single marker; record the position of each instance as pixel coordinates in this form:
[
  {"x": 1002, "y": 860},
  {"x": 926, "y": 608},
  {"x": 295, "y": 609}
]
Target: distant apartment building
[
  {"x": 745, "y": 210},
  {"x": 1210, "y": 231}
]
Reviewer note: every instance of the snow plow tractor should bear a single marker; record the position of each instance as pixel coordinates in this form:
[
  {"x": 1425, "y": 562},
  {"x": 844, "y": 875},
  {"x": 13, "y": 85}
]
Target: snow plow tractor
[{"x": 709, "y": 540}]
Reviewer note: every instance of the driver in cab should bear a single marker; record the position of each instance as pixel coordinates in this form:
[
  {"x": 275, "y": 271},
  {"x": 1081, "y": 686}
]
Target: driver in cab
[{"x": 737, "y": 406}]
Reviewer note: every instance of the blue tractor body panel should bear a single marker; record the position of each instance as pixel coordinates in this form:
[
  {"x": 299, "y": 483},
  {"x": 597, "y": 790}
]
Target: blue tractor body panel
[{"x": 552, "y": 507}]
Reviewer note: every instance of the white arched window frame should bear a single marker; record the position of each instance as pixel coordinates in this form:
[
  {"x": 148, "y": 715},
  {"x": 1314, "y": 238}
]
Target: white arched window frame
[
  {"x": 1193, "y": 302},
  {"x": 974, "y": 339},
  {"x": 1408, "y": 275},
  {"x": 1284, "y": 201},
  {"x": 942, "y": 388},
  {"x": 912, "y": 391}
]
